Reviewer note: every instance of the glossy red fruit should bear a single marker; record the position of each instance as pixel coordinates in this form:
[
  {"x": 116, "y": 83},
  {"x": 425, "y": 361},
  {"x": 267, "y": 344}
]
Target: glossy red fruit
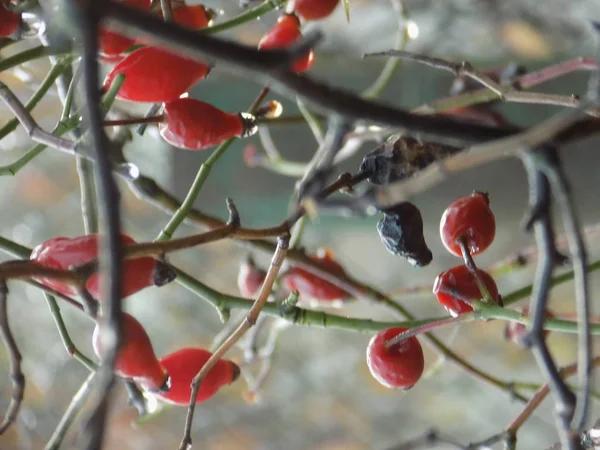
[
  {"x": 311, "y": 286},
  {"x": 250, "y": 278},
  {"x": 61, "y": 253},
  {"x": 184, "y": 364},
  {"x": 314, "y": 9},
  {"x": 461, "y": 280},
  {"x": 136, "y": 358},
  {"x": 398, "y": 366},
  {"x": 196, "y": 125},
  {"x": 193, "y": 17},
  {"x": 470, "y": 218},
  {"x": 112, "y": 44},
  {"x": 9, "y": 22},
  {"x": 283, "y": 34},
  {"x": 155, "y": 76},
  {"x": 514, "y": 331}
]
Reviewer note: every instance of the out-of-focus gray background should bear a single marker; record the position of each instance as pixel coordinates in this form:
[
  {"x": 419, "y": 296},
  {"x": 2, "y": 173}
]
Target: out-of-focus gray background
[{"x": 320, "y": 394}]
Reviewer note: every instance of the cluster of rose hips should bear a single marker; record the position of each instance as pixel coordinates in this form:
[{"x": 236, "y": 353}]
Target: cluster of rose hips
[
  {"x": 467, "y": 228},
  {"x": 155, "y": 75},
  {"x": 169, "y": 377},
  {"x": 468, "y": 224}
]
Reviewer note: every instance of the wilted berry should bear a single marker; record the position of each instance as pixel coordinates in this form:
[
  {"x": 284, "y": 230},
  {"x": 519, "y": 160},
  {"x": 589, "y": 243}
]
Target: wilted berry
[
  {"x": 401, "y": 231},
  {"x": 401, "y": 157}
]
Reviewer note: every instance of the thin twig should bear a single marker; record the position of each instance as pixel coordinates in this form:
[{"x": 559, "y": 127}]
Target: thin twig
[
  {"x": 578, "y": 254},
  {"x": 248, "y": 322},
  {"x": 70, "y": 414},
  {"x": 70, "y": 347},
  {"x": 16, "y": 375},
  {"x": 540, "y": 219},
  {"x": 318, "y": 170},
  {"x": 503, "y": 93},
  {"x": 31, "y": 127}
]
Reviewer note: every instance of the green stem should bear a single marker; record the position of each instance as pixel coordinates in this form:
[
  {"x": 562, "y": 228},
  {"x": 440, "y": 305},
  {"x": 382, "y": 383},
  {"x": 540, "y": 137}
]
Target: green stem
[
  {"x": 70, "y": 96},
  {"x": 392, "y": 64},
  {"x": 251, "y": 14},
  {"x": 311, "y": 119},
  {"x": 525, "y": 292},
  {"x": 65, "y": 337},
  {"x": 77, "y": 403},
  {"x": 29, "y": 55},
  {"x": 297, "y": 316},
  {"x": 180, "y": 215},
  {"x": 37, "y": 149},
  {"x": 205, "y": 168},
  {"x": 56, "y": 70},
  {"x": 298, "y": 232}
]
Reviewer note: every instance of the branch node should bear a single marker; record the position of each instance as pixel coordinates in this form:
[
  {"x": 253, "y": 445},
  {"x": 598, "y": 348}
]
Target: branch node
[{"x": 234, "y": 217}]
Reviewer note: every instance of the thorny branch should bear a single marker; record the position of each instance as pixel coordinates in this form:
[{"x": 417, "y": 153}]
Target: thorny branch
[{"x": 541, "y": 220}]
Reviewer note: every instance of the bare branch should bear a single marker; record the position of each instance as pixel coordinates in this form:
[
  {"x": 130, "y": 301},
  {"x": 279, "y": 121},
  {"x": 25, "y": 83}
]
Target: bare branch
[
  {"x": 248, "y": 322},
  {"x": 16, "y": 375}
]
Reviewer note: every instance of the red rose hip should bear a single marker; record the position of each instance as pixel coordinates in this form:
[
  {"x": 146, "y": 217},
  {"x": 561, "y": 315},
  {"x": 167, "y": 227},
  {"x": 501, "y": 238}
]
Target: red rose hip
[
  {"x": 196, "y": 125},
  {"x": 313, "y": 287},
  {"x": 62, "y": 253},
  {"x": 515, "y": 331},
  {"x": 283, "y": 34},
  {"x": 10, "y": 22},
  {"x": 184, "y": 364},
  {"x": 112, "y": 44},
  {"x": 398, "y": 366},
  {"x": 153, "y": 75},
  {"x": 250, "y": 278},
  {"x": 136, "y": 358},
  {"x": 314, "y": 9},
  {"x": 468, "y": 218},
  {"x": 462, "y": 281}
]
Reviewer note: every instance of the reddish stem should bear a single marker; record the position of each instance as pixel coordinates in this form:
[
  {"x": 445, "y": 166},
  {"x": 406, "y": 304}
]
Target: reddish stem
[
  {"x": 555, "y": 71},
  {"x": 425, "y": 328}
]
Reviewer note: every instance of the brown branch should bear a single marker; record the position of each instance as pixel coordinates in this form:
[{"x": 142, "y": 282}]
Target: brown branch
[
  {"x": 34, "y": 131},
  {"x": 509, "y": 434},
  {"x": 247, "y": 323},
  {"x": 16, "y": 375},
  {"x": 504, "y": 93}
]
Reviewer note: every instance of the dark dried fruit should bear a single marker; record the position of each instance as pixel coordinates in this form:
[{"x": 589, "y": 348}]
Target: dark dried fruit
[
  {"x": 401, "y": 157},
  {"x": 401, "y": 231}
]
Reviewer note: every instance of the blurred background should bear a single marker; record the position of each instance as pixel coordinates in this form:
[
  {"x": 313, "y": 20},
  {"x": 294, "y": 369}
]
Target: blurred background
[{"x": 319, "y": 395}]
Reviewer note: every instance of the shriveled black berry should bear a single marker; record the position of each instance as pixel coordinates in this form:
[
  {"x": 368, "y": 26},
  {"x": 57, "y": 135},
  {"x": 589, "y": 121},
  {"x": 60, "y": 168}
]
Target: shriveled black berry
[
  {"x": 401, "y": 231},
  {"x": 400, "y": 157}
]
